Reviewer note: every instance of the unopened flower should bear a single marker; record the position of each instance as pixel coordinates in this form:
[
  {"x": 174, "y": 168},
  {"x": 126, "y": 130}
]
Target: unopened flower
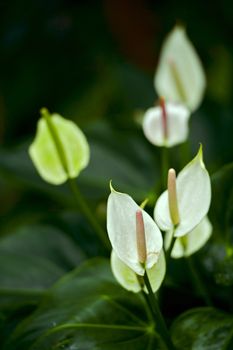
[
  {"x": 180, "y": 76},
  {"x": 59, "y": 150},
  {"x": 130, "y": 281},
  {"x": 134, "y": 235},
  {"x": 167, "y": 124},
  {"x": 182, "y": 207},
  {"x": 191, "y": 242}
]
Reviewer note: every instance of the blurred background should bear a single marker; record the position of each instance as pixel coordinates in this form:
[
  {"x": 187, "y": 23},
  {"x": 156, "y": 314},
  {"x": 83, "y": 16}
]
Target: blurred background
[{"x": 94, "y": 62}]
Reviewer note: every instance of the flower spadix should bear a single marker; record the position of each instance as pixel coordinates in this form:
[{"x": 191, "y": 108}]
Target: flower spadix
[
  {"x": 192, "y": 241},
  {"x": 167, "y": 124},
  {"x": 59, "y": 150},
  {"x": 180, "y": 76},
  {"x": 129, "y": 280},
  {"x": 186, "y": 202},
  {"x": 134, "y": 235}
]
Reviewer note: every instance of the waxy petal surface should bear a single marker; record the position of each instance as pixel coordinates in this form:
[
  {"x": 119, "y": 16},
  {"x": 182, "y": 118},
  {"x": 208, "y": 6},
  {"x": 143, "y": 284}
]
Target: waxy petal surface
[
  {"x": 121, "y": 227},
  {"x": 192, "y": 242},
  {"x": 193, "y": 196},
  {"x": 177, "y": 125},
  {"x": 180, "y": 76},
  {"x": 127, "y": 278}
]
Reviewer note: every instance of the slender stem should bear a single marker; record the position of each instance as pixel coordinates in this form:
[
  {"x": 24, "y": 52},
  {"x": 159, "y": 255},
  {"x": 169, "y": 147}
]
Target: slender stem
[
  {"x": 198, "y": 282},
  {"x": 158, "y": 317},
  {"x": 164, "y": 166},
  {"x": 168, "y": 252},
  {"x": 83, "y": 206}
]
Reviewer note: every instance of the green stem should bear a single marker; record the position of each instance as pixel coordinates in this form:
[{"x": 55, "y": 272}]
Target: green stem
[
  {"x": 73, "y": 185},
  {"x": 198, "y": 282},
  {"x": 158, "y": 317},
  {"x": 164, "y": 166},
  {"x": 83, "y": 206},
  {"x": 168, "y": 252}
]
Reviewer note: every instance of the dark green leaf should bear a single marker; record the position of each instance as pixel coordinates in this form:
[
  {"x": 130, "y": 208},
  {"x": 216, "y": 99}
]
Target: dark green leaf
[
  {"x": 221, "y": 211},
  {"x": 88, "y": 310},
  {"x": 203, "y": 329},
  {"x": 31, "y": 259}
]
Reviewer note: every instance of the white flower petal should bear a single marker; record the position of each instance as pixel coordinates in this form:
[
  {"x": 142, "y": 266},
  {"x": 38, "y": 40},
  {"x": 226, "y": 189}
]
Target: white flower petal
[
  {"x": 180, "y": 76},
  {"x": 44, "y": 153},
  {"x": 157, "y": 273},
  {"x": 124, "y": 275},
  {"x": 193, "y": 196},
  {"x": 177, "y": 125},
  {"x": 121, "y": 226},
  {"x": 192, "y": 242},
  {"x": 128, "y": 278}
]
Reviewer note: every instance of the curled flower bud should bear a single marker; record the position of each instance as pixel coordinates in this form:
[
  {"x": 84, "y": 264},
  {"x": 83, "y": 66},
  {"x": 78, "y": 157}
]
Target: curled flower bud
[{"x": 59, "y": 150}]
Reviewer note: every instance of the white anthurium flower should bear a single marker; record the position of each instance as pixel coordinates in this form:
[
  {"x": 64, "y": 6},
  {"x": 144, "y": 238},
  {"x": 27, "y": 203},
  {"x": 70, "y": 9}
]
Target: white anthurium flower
[
  {"x": 128, "y": 279},
  {"x": 167, "y": 124},
  {"x": 60, "y": 149},
  {"x": 180, "y": 76},
  {"x": 191, "y": 242},
  {"x": 186, "y": 202},
  {"x": 134, "y": 235}
]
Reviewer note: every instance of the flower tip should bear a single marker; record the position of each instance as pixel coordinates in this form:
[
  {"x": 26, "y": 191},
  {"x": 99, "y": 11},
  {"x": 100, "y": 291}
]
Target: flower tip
[
  {"x": 200, "y": 155},
  {"x": 111, "y": 187},
  {"x": 180, "y": 26},
  {"x": 44, "y": 112}
]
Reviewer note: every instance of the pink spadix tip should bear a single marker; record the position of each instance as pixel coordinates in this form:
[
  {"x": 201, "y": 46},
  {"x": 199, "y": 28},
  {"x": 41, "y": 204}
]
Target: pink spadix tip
[
  {"x": 141, "y": 238},
  {"x": 164, "y": 117},
  {"x": 172, "y": 197}
]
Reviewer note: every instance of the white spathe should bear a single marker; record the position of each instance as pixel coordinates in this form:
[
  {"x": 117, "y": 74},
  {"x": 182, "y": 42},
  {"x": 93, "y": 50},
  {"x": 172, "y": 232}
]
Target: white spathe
[
  {"x": 128, "y": 278},
  {"x": 177, "y": 125},
  {"x": 121, "y": 227},
  {"x": 45, "y": 155},
  {"x": 191, "y": 242},
  {"x": 193, "y": 197},
  {"x": 180, "y": 76}
]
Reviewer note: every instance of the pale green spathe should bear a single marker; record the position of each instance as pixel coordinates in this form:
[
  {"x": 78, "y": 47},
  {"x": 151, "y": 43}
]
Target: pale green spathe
[
  {"x": 121, "y": 227},
  {"x": 177, "y": 125},
  {"x": 193, "y": 197},
  {"x": 192, "y": 242},
  {"x": 180, "y": 76},
  {"x": 54, "y": 166},
  {"x": 127, "y": 278}
]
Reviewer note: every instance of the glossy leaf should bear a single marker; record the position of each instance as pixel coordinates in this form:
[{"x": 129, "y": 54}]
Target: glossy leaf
[
  {"x": 31, "y": 259},
  {"x": 87, "y": 309},
  {"x": 203, "y": 328}
]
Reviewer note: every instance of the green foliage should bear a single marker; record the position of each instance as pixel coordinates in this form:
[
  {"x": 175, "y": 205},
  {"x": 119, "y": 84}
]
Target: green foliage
[
  {"x": 203, "y": 329},
  {"x": 31, "y": 259},
  {"x": 87, "y": 309}
]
